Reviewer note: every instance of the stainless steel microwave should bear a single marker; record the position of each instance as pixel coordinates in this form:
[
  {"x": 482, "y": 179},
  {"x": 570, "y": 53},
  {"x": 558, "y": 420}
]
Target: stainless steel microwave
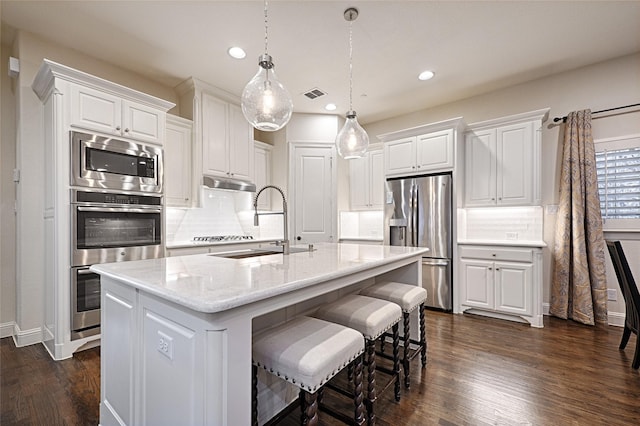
[{"x": 106, "y": 163}]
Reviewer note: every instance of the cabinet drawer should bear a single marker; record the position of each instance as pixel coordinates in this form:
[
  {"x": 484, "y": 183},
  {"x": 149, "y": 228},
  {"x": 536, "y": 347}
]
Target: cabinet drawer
[{"x": 514, "y": 254}]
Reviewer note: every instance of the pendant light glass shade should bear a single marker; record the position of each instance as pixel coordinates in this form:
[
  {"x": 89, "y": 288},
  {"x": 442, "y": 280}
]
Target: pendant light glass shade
[
  {"x": 266, "y": 104},
  {"x": 352, "y": 141}
]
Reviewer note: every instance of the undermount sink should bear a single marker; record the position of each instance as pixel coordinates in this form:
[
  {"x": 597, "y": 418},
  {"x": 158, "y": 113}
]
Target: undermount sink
[{"x": 241, "y": 254}]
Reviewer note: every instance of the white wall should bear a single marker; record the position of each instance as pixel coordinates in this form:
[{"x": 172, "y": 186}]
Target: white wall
[
  {"x": 7, "y": 197},
  {"x": 600, "y": 86}
]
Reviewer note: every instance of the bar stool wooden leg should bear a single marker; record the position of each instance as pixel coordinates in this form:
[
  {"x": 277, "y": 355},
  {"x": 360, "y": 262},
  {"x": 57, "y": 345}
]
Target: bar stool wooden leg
[
  {"x": 303, "y": 406},
  {"x": 254, "y": 396},
  {"x": 357, "y": 392},
  {"x": 396, "y": 361},
  {"x": 423, "y": 339},
  {"x": 406, "y": 350},
  {"x": 311, "y": 408},
  {"x": 371, "y": 380}
]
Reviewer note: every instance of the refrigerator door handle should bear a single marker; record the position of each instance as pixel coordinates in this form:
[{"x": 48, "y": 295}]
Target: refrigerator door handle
[
  {"x": 435, "y": 262},
  {"x": 414, "y": 216}
]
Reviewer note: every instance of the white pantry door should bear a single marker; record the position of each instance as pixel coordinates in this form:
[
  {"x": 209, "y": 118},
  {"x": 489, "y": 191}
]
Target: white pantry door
[{"x": 314, "y": 193}]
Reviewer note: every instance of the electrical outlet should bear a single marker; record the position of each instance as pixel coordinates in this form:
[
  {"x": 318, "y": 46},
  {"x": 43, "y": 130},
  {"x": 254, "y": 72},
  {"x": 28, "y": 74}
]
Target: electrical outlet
[
  {"x": 612, "y": 294},
  {"x": 165, "y": 345}
]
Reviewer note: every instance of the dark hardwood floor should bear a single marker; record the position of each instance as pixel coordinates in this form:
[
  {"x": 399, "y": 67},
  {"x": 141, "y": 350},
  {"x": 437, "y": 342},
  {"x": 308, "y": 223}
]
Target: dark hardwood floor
[{"x": 480, "y": 372}]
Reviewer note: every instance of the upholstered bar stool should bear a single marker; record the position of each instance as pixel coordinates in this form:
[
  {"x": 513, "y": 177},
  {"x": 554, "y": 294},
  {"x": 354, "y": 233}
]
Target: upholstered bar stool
[
  {"x": 408, "y": 297},
  {"x": 307, "y": 352},
  {"x": 371, "y": 317}
]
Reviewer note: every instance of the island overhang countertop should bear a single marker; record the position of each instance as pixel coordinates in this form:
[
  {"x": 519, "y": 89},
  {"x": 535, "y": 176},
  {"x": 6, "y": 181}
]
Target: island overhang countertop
[{"x": 209, "y": 284}]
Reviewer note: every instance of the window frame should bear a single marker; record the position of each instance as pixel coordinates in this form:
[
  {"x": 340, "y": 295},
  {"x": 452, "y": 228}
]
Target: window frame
[{"x": 612, "y": 144}]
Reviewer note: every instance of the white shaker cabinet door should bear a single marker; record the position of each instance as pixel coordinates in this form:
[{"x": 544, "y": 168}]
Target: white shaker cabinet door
[
  {"x": 95, "y": 110},
  {"x": 215, "y": 155},
  {"x": 142, "y": 122},
  {"x": 178, "y": 151},
  {"x": 400, "y": 156},
  {"x": 376, "y": 173},
  {"x": 240, "y": 145},
  {"x": 477, "y": 283},
  {"x": 434, "y": 151},
  {"x": 515, "y": 163},
  {"x": 480, "y": 171},
  {"x": 359, "y": 182},
  {"x": 514, "y": 289}
]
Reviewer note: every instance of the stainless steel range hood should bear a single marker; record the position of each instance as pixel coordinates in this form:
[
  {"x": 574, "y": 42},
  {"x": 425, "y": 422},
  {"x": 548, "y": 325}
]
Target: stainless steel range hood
[{"x": 215, "y": 182}]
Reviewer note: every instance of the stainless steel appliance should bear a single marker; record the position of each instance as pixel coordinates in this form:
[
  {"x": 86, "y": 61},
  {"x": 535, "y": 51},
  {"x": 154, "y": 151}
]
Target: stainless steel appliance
[
  {"x": 113, "y": 164},
  {"x": 107, "y": 227},
  {"x": 418, "y": 213}
]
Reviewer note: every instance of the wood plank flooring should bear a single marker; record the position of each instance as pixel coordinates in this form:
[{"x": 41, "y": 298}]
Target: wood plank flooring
[{"x": 480, "y": 372}]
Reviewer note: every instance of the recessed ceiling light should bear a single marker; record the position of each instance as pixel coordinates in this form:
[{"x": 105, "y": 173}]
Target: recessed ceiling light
[
  {"x": 426, "y": 75},
  {"x": 330, "y": 107},
  {"x": 236, "y": 52}
]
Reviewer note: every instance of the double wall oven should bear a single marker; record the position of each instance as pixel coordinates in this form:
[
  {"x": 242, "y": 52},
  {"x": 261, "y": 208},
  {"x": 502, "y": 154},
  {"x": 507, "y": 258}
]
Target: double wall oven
[{"x": 116, "y": 215}]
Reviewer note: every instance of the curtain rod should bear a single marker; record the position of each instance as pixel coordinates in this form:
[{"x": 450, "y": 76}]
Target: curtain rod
[{"x": 564, "y": 119}]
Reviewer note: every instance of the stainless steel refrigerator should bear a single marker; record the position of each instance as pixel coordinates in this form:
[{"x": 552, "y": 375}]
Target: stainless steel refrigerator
[{"x": 418, "y": 213}]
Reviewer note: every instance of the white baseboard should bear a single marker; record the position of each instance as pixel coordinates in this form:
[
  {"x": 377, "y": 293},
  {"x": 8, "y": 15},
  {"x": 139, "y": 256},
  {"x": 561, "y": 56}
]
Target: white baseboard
[
  {"x": 26, "y": 337},
  {"x": 6, "y": 329},
  {"x": 615, "y": 318}
]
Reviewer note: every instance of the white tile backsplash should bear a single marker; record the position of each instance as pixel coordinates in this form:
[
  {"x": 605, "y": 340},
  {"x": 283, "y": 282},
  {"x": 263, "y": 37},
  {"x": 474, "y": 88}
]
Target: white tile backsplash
[
  {"x": 364, "y": 224},
  {"x": 222, "y": 213},
  {"x": 501, "y": 223}
]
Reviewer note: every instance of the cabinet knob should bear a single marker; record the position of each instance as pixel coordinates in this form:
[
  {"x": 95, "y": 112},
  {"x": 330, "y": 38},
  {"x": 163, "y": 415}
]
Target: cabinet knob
[
  {"x": 490, "y": 268},
  {"x": 497, "y": 269},
  {"x": 126, "y": 130},
  {"x": 298, "y": 238},
  {"x": 494, "y": 255},
  {"x": 418, "y": 166},
  {"x": 118, "y": 128},
  {"x": 493, "y": 199}
]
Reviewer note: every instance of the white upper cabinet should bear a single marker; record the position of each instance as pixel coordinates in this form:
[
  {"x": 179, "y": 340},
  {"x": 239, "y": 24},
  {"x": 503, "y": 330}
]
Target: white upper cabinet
[
  {"x": 425, "y": 153},
  {"x": 421, "y": 150},
  {"x": 223, "y": 139},
  {"x": 262, "y": 172},
  {"x": 177, "y": 169},
  {"x": 110, "y": 114},
  {"x": 503, "y": 161},
  {"x": 367, "y": 181}
]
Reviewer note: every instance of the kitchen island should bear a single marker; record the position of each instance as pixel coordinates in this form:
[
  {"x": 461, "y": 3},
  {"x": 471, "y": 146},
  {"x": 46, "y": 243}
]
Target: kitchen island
[{"x": 176, "y": 332}]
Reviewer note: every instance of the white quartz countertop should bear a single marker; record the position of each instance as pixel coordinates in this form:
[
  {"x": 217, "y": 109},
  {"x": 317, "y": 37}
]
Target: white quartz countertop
[
  {"x": 510, "y": 243},
  {"x": 207, "y": 283}
]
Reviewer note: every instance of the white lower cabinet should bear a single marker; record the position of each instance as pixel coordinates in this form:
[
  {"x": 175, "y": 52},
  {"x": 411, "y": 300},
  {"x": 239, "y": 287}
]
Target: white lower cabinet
[
  {"x": 163, "y": 362},
  {"x": 503, "y": 281}
]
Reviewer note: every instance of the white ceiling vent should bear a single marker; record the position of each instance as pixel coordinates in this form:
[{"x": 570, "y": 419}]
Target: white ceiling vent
[{"x": 314, "y": 93}]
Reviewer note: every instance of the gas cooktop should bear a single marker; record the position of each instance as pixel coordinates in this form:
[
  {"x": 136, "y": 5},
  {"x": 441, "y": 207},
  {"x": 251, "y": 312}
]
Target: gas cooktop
[{"x": 216, "y": 238}]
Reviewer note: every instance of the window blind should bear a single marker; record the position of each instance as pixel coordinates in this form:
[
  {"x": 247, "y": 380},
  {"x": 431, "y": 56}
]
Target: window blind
[{"x": 619, "y": 183}]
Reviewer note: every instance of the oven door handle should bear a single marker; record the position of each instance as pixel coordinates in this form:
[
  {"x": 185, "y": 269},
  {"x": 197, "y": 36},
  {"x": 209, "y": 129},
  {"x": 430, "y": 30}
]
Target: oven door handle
[
  {"x": 120, "y": 209},
  {"x": 84, "y": 271}
]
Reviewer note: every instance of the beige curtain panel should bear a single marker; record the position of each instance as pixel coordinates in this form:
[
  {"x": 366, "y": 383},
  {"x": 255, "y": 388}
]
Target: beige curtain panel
[{"x": 579, "y": 287}]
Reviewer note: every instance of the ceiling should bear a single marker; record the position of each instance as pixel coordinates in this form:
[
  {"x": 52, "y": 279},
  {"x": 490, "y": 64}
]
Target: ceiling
[{"x": 473, "y": 46}]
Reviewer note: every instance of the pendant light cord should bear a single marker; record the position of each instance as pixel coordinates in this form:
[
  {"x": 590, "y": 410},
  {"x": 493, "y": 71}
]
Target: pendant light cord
[
  {"x": 266, "y": 28},
  {"x": 350, "y": 66}
]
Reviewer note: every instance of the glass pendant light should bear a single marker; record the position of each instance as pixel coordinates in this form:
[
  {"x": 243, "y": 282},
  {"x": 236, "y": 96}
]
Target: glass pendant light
[
  {"x": 266, "y": 104},
  {"x": 352, "y": 141}
]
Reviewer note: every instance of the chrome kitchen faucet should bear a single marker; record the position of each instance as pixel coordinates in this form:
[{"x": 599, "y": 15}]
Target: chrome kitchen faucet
[{"x": 285, "y": 241}]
